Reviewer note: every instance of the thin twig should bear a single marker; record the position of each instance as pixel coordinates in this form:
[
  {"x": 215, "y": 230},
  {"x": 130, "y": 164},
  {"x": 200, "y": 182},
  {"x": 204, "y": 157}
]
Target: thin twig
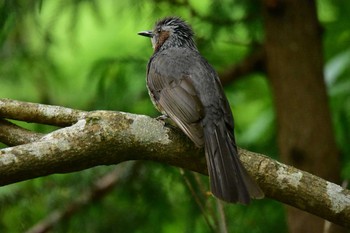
[
  {"x": 221, "y": 217},
  {"x": 197, "y": 200},
  {"x": 98, "y": 191}
]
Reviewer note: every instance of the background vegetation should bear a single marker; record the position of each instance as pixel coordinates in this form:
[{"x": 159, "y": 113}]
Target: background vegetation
[{"x": 87, "y": 55}]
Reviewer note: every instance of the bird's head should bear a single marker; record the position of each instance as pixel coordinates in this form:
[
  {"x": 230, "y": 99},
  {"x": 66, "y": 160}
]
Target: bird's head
[{"x": 170, "y": 32}]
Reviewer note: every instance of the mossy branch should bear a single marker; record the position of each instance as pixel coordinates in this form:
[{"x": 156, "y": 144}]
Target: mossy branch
[{"x": 104, "y": 137}]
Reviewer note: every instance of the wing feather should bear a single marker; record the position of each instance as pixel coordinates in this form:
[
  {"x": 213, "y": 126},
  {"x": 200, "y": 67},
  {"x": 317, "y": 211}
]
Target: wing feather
[{"x": 178, "y": 99}]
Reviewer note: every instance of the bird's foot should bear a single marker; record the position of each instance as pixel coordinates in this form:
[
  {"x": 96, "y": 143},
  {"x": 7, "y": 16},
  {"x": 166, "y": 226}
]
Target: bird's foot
[
  {"x": 167, "y": 121},
  {"x": 162, "y": 117}
]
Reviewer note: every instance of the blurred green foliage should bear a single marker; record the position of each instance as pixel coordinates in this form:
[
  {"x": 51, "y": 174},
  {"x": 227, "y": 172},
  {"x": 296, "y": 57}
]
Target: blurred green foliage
[{"x": 87, "y": 55}]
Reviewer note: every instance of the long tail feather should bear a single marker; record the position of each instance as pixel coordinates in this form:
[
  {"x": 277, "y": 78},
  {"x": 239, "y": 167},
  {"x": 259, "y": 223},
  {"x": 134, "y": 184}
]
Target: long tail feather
[{"x": 228, "y": 178}]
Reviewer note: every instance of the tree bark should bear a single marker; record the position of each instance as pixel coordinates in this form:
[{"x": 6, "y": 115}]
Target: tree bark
[
  {"x": 106, "y": 137},
  {"x": 295, "y": 69}
]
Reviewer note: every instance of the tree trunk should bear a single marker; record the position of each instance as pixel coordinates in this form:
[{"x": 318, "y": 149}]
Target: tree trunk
[{"x": 295, "y": 70}]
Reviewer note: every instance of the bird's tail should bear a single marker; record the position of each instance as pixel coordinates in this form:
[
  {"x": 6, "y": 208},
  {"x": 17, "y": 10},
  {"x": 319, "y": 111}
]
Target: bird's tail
[{"x": 229, "y": 180}]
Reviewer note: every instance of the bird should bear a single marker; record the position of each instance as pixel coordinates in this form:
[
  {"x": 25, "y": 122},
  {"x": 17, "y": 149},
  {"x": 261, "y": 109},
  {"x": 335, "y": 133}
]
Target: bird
[{"x": 185, "y": 87}]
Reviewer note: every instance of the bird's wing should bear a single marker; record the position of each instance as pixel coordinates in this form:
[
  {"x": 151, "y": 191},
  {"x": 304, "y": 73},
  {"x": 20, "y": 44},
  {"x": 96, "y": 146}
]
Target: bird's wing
[{"x": 179, "y": 100}]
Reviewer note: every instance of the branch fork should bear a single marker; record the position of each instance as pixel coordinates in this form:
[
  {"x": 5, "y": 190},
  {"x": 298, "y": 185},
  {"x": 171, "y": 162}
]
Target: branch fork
[{"x": 95, "y": 138}]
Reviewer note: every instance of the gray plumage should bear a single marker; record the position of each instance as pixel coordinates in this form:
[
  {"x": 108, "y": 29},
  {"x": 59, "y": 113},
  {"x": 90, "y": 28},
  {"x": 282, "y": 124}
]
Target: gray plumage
[{"x": 183, "y": 86}]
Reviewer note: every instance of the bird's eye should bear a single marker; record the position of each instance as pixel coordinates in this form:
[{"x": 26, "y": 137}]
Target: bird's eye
[{"x": 159, "y": 30}]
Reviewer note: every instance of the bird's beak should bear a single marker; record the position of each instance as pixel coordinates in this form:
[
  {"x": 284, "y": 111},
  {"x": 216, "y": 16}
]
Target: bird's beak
[{"x": 146, "y": 33}]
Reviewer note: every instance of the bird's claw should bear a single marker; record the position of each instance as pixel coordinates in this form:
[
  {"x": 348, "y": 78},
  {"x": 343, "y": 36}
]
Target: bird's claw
[{"x": 162, "y": 117}]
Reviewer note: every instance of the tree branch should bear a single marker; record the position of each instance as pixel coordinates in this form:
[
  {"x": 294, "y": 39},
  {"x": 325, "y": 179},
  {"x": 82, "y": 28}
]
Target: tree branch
[
  {"x": 39, "y": 113},
  {"x": 12, "y": 135},
  {"x": 99, "y": 189},
  {"x": 255, "y": 62},
  {"x": 105, "y": 137}
]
